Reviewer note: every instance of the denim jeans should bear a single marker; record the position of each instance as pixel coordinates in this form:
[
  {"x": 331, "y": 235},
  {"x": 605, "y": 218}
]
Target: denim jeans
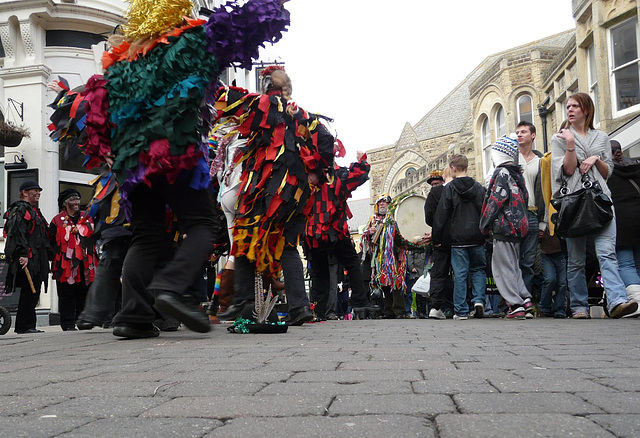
[
  {"x": 629, "y": 264},
  {"x": 468, "y": 261},
  {"x": 554, "y": 268},
  {"x": 605, "y": 242},
  {"x": 529, "y": 250}
]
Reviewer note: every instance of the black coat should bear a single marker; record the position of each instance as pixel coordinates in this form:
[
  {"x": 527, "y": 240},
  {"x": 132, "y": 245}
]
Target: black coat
[
  {"x": 626, "y": 201},
  {"x": 461, "y": 204},
  {"x": 430, "y": 207}
]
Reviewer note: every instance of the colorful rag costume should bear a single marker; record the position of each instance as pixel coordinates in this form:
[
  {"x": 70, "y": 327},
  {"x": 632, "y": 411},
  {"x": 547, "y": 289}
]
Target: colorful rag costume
[
  {"x": 388, "y": 249},
  {"x": 149, "y": 110},
  {"x": 274, "y": 195},
  {"x": 70, "y": 256},
  {"x": 330, "y": 212}
]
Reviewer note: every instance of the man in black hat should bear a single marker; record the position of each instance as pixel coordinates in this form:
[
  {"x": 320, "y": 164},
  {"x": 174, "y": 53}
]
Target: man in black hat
[
  {"x": 73, "y": 264},
  {"x": 27, "y": 249}
]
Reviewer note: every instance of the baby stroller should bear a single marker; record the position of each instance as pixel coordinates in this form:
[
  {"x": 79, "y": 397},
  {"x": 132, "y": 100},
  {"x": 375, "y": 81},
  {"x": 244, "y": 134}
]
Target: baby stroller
[{"x": 5, "y": 320}]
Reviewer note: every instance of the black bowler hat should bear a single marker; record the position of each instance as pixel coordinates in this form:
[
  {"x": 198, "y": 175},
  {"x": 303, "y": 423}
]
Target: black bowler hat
[{"x": 29, "y": 184}]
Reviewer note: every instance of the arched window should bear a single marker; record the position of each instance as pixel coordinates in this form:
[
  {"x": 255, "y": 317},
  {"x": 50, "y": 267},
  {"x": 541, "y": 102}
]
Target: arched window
[
  {"x": 485, "y": 132},
  {"x": 525, "y": 109},
  {"x": 501, "y": 123}
]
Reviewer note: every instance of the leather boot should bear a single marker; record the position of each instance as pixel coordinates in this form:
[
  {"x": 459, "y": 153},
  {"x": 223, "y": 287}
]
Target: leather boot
[{"x": 225, "y": 294}]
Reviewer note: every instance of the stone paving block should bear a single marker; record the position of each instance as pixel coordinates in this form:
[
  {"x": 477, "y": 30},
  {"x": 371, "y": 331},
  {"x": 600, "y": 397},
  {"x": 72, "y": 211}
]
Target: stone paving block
[
  {"x": 146, "y": 428},
  {"x": 102, "y": 407},
  {"x": 222, "y": 388},
  {"x": 90, "y": 388},
  {"x": 614, "y": 402},
  {"x": 420, "y": 364},
  {"x": 517, "y": 426},
  {"x": 452, "y": 386},
  {"x": 334, "y": 388},
  {"x": 355, "y": 376},
  {"x": 524, "y": 403},
  {"x": 209, "y": 375},
  {"x": 298, "y": 365},
  {"x": 408, "y": 404},
  {"x": 322, "y": 427},
  {"x": 19, "y": 387},
  {"x": 621, "y": 425},
  {"x": 630, "y": 372},
  {"x": 24, "y": 404},
  {"x": 620, "y": 383},
  {"x": 242, "y": 406},
  {"x": 29, "y": 427},
  {"x": 549, "y": 384}
]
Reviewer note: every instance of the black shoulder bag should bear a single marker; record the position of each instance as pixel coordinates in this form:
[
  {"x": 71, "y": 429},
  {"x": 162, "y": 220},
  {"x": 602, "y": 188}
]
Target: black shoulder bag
[{"x": 583, "y": 212}]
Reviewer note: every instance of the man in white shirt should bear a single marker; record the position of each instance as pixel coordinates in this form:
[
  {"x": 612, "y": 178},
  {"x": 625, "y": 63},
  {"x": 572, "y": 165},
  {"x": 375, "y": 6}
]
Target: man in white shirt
[{"x": 529, "y": 159}]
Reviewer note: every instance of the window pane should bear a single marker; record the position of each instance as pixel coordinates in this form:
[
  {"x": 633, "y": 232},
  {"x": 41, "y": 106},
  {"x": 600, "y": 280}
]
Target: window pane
[
  {"x": 525, "y": 109},
  {"x": 625, "y": 45},
  {"x": 595, "y": 97},
  {"x": 593, "y": 77},
  {"x": 501, "y": 127},
  {"x": 71, "y": 158},
  {"x": 627, "y": 87},
  {"x": 486, "y": 133}
]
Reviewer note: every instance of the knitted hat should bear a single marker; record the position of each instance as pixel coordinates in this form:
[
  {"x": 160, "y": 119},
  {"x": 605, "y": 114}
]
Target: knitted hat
[
  {"x": 66, "y": 194},
  {"x": 505, "y": 149}
]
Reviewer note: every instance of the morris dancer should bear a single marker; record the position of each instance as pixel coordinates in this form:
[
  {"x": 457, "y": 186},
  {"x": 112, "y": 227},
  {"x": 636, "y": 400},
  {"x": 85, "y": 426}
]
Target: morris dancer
[
  {"x": 152, "y": 98},
  {"x": 287, "y": 149}
]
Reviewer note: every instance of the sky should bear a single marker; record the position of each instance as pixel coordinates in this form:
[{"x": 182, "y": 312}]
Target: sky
[{"x": 375, "y": 65}]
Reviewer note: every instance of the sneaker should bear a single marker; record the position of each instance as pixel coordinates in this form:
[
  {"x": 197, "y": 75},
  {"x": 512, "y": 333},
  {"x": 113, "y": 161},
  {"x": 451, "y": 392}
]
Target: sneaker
[
  {"x": 517, "y": 313},
  {"x": 624, "y": 310},
  {"x": 479, "y": 310},
  {"x": 460, "y": 317},
  {"x": 528, "y": 306},
  {"x": 436, "y": 314}
]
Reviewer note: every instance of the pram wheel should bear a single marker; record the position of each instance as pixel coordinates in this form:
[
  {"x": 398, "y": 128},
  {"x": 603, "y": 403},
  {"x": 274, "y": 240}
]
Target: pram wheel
[{"x": 5, "y": 320}]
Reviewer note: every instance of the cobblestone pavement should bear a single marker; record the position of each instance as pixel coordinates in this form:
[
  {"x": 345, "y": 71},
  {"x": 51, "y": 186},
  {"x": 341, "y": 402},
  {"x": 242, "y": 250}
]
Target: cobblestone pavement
[{"x": 391, "y": 378}]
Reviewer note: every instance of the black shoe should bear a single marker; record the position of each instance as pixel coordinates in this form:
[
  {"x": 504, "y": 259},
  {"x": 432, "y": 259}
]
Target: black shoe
[
  {"x": 185, "y": 309},
  {"x": 136, "y": 331},
  {"x": 85, "y": 325},
  {"x": 235, "y": 310},
  {"x": 299, "y": 316},
  {"x": 69, "y": 329},
  {"x": 29, "y": 331},
  {"x": 366, "y": 306},
  {"x": 331, "y": 317}
]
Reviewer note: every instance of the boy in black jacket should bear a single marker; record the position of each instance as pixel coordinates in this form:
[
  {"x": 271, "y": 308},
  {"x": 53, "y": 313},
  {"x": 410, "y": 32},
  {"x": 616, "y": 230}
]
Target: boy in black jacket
[
  {"x": 461, "y": 203},
  {"x": 505, "y": 213}
]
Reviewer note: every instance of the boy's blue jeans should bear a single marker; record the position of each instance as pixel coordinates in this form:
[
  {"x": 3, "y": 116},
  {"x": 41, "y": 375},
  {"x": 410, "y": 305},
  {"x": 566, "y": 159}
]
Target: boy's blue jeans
[{"x": 468, "y": 261}]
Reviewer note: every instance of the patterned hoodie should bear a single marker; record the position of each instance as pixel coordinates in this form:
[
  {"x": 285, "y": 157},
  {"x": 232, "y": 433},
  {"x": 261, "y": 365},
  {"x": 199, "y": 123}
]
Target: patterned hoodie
[{"x": 504, "y": 210}]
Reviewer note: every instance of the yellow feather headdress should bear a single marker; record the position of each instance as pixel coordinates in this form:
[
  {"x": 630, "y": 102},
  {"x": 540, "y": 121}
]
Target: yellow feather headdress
[{"x": 152, "y": 18}]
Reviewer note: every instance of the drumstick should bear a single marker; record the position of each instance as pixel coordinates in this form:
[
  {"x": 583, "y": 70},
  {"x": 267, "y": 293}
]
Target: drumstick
[{"x": 28, "y": 274}]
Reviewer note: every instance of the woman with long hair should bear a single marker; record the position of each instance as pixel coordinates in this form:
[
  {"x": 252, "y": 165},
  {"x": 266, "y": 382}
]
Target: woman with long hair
[{"x": 577, "y": 150}]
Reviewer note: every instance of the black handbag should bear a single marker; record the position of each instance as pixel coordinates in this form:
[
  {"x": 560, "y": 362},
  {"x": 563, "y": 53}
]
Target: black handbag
[{"x": 583, "y": 212}]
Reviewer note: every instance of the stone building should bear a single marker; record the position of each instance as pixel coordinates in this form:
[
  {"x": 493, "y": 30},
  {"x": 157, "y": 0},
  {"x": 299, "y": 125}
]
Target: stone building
[{"x": 530, "y": 82}]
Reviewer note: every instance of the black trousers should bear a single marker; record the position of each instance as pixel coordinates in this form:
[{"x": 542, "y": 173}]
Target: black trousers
[
  {"x": 26, "y": 315},
  {"x": 346, "y": 255},
  {"x": 106, "y": 290},
  {"x": 149, "y": 246},
  {"x": 71, "y": 299},
  {"x": 441, "y": 287},
  {"x": 294, "y": 289}
]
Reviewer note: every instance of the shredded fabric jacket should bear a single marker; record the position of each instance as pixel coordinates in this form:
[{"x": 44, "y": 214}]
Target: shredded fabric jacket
[
  {"x": 25, "y": 233},
  {"x": 274, "y": 197},
  {"x": 71, "y": 260},
  {"x": 504, "y": 210},
  {"x": 330, "y": 212},
  {"x": 151, "y": 109}
]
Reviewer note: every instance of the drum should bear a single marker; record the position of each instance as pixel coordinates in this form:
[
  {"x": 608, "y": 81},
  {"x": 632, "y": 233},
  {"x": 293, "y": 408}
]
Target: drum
[{"x": 410, "y": 218}]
